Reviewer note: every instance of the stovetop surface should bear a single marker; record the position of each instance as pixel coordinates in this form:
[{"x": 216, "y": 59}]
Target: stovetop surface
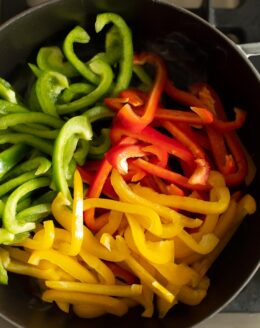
[{"x": 242, "y": 24}]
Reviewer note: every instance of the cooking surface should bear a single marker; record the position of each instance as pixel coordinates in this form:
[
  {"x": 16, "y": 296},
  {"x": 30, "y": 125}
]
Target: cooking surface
[{"x": 242, "y": 24}]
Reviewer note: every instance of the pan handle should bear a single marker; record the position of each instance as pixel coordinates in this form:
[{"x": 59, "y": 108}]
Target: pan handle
[{"x": 250, "y": 49}]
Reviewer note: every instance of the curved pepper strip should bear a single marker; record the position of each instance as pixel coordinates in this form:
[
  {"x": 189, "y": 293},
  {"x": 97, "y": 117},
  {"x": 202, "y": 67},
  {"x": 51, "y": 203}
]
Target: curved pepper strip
[
  {"x": 66, "y": 263},
  {"x": 151, "y": 136},
  {"x": 63, "y": 215},
  {"x": 10, "y": 157},
  {"x": 79, "y": 35},
  {"x": 160, "y": 252},
  {"x": 194, "y": 205},
  {"x": 126, "y": 58},
  {"x": 106, "y": 78},
  {"x": 32, "y": 117},
  {"x": 40, "y": 164},
  {"x": 98, "y": 113},
  {"x": 143, "y": 76},
  {"x": 111, "y": 305},
  {"x": 7, "y": 92},
  {"x": 99, "y": 266},
  {"x": 103, "y": 145},
  {"x": 78, "y": 126},
  {"x": 112, "y": 225},
  {"x": 7, "y": 107},
  {"x": 126, "y": 115},
  {"x": 75, "y": 91},
  {"x": 150, "y": 219},
  {"x": 190, "y": 296},
  {"x": 43, "y": 239},
  {"x": 9, "y": 216},
  {"x": 126, "y": 194},
  {"x": 49, "y": 85},
  {"x": 51, "y": 59},
  {"x": 34, "y": 213},
  {"x": 113, "y": 45}
]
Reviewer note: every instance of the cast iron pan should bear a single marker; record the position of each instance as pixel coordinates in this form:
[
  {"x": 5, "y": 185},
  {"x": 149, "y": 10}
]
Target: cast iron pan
[{"x": 195, "y": 52}]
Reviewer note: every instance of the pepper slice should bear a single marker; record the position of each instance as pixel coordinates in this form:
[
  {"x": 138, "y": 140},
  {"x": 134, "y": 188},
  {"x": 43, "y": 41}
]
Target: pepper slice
[{"x": 126, "y": 115}]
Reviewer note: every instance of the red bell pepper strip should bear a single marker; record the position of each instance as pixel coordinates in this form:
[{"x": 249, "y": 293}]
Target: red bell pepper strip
[
  {"x": 223, "y": 126},
  {"x": 118, "y": 155},
  {"x": 126, "y": 114},
  {"x": 172, "y": 189},
  {"x": 168, "y": 175},
  {"x": 116, "y": 103},
  {"x": 121, "y": 273},
  {"x": 161, "y": 155},
  {"x": 135, "y": 97},
  {"x": 151, "y": 136}
]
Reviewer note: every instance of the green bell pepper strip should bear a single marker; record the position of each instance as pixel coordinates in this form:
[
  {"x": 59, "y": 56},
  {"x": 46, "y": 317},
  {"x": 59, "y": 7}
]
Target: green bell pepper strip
[
  {"x": 79, "y": 35},
  {"x": 51, "y": 59},
  {"x": 6, "y": 236},
  {"x": 75, "y": 91},
  {"x": 11, "y": 120},
  {"x": 98, "y": 113},
  {"x": 32, "y": 101},
  {"x": 8, "y": 108},
  {"x": 39, "y": 164},
  {"x": 11, "y": 184},
  {"x": 81, "y": 153},
  {"x": 48, "y": 88},
  {"x": 104, "y": 70},
  {"x": 47, "y": 197},
  {"x": 27, "y": 139},
  {"x": 11, "y": 157},
  {"x": 69, "y": 150},
  {"x": 35, "y": 69},
  {"x": 18, "y": 238},
  {"x": 78, "y": 126},
  {"x": 24, "y": 203},
  {"x": 45, "y": 134},
  {"x": 113, "y": 45},
  {"x": 126, "y": 58},
  {"x": 7, "y": 92},
  {"x": 9, "y": 216},
  {"x": 34, "y": 213},
  {"x": 103, "y": 144}
]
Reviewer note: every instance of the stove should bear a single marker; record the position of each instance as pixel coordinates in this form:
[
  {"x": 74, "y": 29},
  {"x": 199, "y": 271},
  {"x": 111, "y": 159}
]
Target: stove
[{"x": 240, "y": 21}]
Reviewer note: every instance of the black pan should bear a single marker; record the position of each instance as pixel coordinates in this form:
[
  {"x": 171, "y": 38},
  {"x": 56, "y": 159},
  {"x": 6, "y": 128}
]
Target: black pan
[{"x": 195, "y": 51}]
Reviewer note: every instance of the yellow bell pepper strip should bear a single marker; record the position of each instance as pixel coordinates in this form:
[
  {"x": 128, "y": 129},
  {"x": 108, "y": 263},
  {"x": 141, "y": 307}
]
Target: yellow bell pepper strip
[
  {"x": 126, "y": 57},
  {"x": 51, "y": 59},
  {"x": 43, "y": 239},
  {"x": 105, "y": 72},
  {"x": 112, "y": 225},
  {"x": 226, "y": 220},
  {"x": 66, "y": 263},
  {"x": 27, "y": 139},
  {"x": 32, "y": 271},
  {"x": 148, "y": 279},
  {"x": 10, "y": 157},
  {"x": 187, "y": 203},
  {"x": 63, "y": 306},
  {"x": 146, "y": 300},
  {"x": 88, "y": 312},
  {"x": 78, "y": 127},
  {"x": 112, "y": 305},
  {"x": 160, "y": 252},
  {"x": 63, "y": 215},
  {"x": 191, "y": 296},
  {"x": 18, "y": 254},
  {"x": 150, "y": 219},
  {"x": 126, "y": 115},
  {"x": 77, "y": 233},
  {"x": 49, "y": 85},
  {"x": 4, "y": 261},
  {"x": 121, "y": 273},
  {"x": 79, "y": 35},
  {"x": 7, "y": 92},
  {"x": 98, "y": 289},
  {"x": 176, "y": 274},
  {"x": 106, "y": 276},
  {"x": 126, "y": 194},
  {"x": 163, "y": 306},
  {"x": 207, "y": 243},
  {"x": 9, "y": 215}
]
